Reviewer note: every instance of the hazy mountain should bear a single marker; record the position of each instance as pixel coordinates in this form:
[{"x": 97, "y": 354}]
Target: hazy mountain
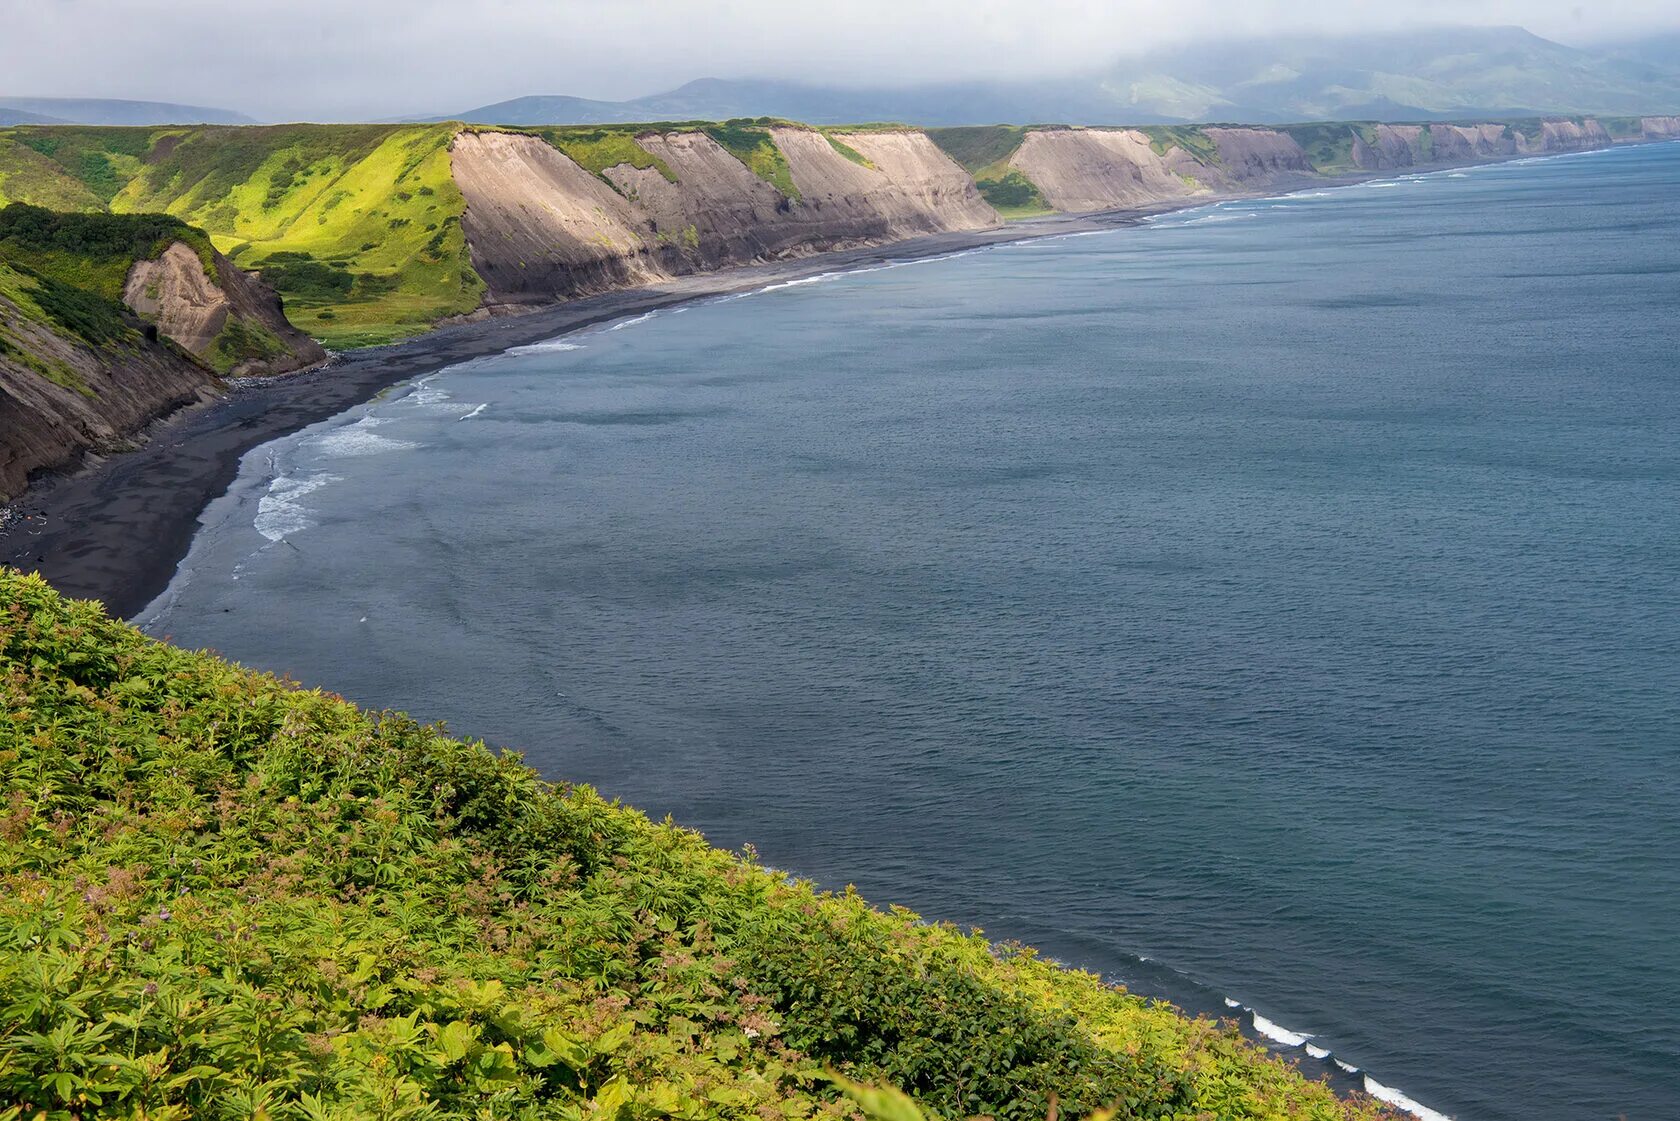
[
  {"x": 107, "y": 111},
  {"x": 1406, "y": 76},
  {"x": 19, "y": 117},
  {"x": 1657, "y": 50}
]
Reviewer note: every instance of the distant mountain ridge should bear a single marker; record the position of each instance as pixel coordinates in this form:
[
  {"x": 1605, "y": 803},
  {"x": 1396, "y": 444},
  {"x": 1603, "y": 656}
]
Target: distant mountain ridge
[
  {"x": 1445, "y": 73},
  {"x": 111, "y": 111}
]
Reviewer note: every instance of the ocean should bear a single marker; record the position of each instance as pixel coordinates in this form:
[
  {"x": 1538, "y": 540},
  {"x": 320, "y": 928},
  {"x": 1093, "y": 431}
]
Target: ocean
[{"x": 1274, "y": 606}]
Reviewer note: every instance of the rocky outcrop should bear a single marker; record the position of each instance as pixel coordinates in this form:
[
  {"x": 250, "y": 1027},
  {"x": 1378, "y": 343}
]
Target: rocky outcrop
[
  {"x": 59, "y": 397},
  {"x": 540, "y": 227},
  {"x": 1659, "y": 128},
  {"x": 233, "y": 322}
]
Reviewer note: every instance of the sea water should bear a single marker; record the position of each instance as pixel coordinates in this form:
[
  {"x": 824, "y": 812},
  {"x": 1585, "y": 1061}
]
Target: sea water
[{"x": 1276, "y": 605}]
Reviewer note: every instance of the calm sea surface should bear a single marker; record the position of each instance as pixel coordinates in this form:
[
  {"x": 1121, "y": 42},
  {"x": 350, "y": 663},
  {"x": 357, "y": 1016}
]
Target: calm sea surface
[{"x": 1279, "y": 602}]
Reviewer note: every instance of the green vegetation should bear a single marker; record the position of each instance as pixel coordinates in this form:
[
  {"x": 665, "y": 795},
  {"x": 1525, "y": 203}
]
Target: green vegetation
[
  {"x": 375, "y": 200},
  {"x": 750, "y": 141},
  {"x": 984, "y": 152},
  {"x": 1329, "y": 145},
  {"x": 1013, "y": 195},
  {"x": 848, "y": 151},
  {"x": 92, "y": 251},
  {"x": 243, "y": 340},
  {"x": 981, "y": 147},
  {"x": 21, "y": 298},
  {"x": 597, "y": 149},
  {"x": 1164, "y": 138},
  {"x": 224, "y": 897}
]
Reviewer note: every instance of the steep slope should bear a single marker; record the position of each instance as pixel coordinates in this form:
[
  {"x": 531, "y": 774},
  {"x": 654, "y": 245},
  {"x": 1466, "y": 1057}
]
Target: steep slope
[
  {"x": 543, "y": 226},
  {"x": 108, "y": 322},
  {"x": 169, "y": 273},
  {"x": 357, "y": 226},
  {"x": 77, "y": 372},
  {"x": 1078, "y": 170},
  {"x": 232, "y": 898}
]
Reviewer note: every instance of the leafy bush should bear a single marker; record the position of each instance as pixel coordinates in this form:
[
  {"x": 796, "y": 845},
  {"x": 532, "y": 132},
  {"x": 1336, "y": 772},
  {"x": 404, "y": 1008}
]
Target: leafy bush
[
  {"x": 1012, "y": 191},
  {"x": 300, "y": 276},
  {"x": 223, "y": 897},
  {"x": 88, "y": 316}
]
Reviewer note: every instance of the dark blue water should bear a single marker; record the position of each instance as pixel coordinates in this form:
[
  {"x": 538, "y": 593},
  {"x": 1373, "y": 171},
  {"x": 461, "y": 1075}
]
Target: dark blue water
[{"x": 1286, "y": 592}]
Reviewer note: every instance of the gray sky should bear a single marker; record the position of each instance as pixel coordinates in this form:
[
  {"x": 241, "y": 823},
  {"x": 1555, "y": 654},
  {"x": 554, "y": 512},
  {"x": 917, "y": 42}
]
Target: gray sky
[{"x": 327, "y": 59}]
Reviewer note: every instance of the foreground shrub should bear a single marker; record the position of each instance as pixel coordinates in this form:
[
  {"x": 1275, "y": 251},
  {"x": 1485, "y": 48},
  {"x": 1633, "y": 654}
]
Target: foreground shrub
[{"x": 225, "y": 897}]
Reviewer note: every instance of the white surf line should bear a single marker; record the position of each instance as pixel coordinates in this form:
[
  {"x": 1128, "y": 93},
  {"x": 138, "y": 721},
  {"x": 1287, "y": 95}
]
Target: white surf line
[{"x": 1280, "y": 1034}]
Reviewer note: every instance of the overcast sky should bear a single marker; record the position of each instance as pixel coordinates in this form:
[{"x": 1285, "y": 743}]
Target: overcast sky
[{"x": 338, "y": 59}]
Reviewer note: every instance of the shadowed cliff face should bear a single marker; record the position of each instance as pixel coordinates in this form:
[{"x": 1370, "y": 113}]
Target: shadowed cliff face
[
  {"x": 540, "y": 227},
  {"x": 90, "y": 381},
  {"x": 60, "y": 396}
]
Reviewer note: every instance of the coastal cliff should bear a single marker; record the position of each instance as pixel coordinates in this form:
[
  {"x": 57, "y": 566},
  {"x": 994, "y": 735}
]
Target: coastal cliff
[
  {"x": 1386, "y": 147},
  {"x": 373, "y": 233},
  {"x": 541, "y": 227},
  {"x": 108, "y": 322},
  {"x": 1088, "y": 169}
]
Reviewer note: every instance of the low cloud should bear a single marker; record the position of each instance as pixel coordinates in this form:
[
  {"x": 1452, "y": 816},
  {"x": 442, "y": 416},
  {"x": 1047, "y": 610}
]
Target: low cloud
[{"x": 314, "y": 59}]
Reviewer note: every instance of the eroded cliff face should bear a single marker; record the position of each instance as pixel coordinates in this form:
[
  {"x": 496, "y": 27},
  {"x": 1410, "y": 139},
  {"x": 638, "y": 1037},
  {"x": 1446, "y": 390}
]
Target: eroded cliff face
[
  {"x": 1395, "y": 147},
  {"x": 540, "y": 227},
  {"x": 235, "y": 323},
  {"x": 1087, "y": 169},
  {"x": 60, "y": 397},
  {"x": 1660, "y": 128}
]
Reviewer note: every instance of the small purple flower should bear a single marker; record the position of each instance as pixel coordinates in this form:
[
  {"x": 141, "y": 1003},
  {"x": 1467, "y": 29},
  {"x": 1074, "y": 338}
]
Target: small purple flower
[
  {"x": 163, "y": 914},
  {"x": 151, "y": 988}
]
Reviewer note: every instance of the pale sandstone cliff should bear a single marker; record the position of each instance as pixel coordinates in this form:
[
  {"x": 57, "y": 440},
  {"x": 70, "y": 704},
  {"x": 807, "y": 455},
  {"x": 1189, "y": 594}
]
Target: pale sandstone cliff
[
  {"x": 1660, "y": 128},
  {"x": 234, "y": 322},
  {"x": 1087, "y": 169},
  {"x": 1394, "y": 147},
  {"x": 542, "y": 228}
]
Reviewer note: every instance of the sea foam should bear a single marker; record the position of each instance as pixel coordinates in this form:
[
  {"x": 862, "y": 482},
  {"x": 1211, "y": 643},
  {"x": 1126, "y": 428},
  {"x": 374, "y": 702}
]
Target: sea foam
[
  {"x": 1395, "y": 1098},
  {"x": 360, "y": 439},
  {"x": 1276, "y": 1031},
  {"x": 281, "y": 512}
]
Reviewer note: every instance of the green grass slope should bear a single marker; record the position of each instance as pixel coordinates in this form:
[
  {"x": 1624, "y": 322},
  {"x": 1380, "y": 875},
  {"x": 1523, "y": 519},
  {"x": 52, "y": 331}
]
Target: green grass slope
[
  {"x": 984, "y": 151},
  {"x": 222, "y": 896},
  {"x": 92, "y": 251},
  {"x": 357, "y": 226}
]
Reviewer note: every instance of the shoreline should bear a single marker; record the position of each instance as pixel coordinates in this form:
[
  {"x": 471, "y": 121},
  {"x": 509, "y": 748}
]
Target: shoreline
[
  {"x": 116, "y": 527},
  {"x": 201, "y": 440}
]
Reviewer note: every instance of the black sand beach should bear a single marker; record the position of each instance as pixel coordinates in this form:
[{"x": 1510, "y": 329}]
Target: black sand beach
[{"x": 116, "y": 528}]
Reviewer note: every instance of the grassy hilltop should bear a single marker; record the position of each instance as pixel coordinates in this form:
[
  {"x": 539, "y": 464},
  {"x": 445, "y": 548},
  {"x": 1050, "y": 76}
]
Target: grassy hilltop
[
  {"x": 222, "y": 896},
  {"x": 358, "y": 226}
]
